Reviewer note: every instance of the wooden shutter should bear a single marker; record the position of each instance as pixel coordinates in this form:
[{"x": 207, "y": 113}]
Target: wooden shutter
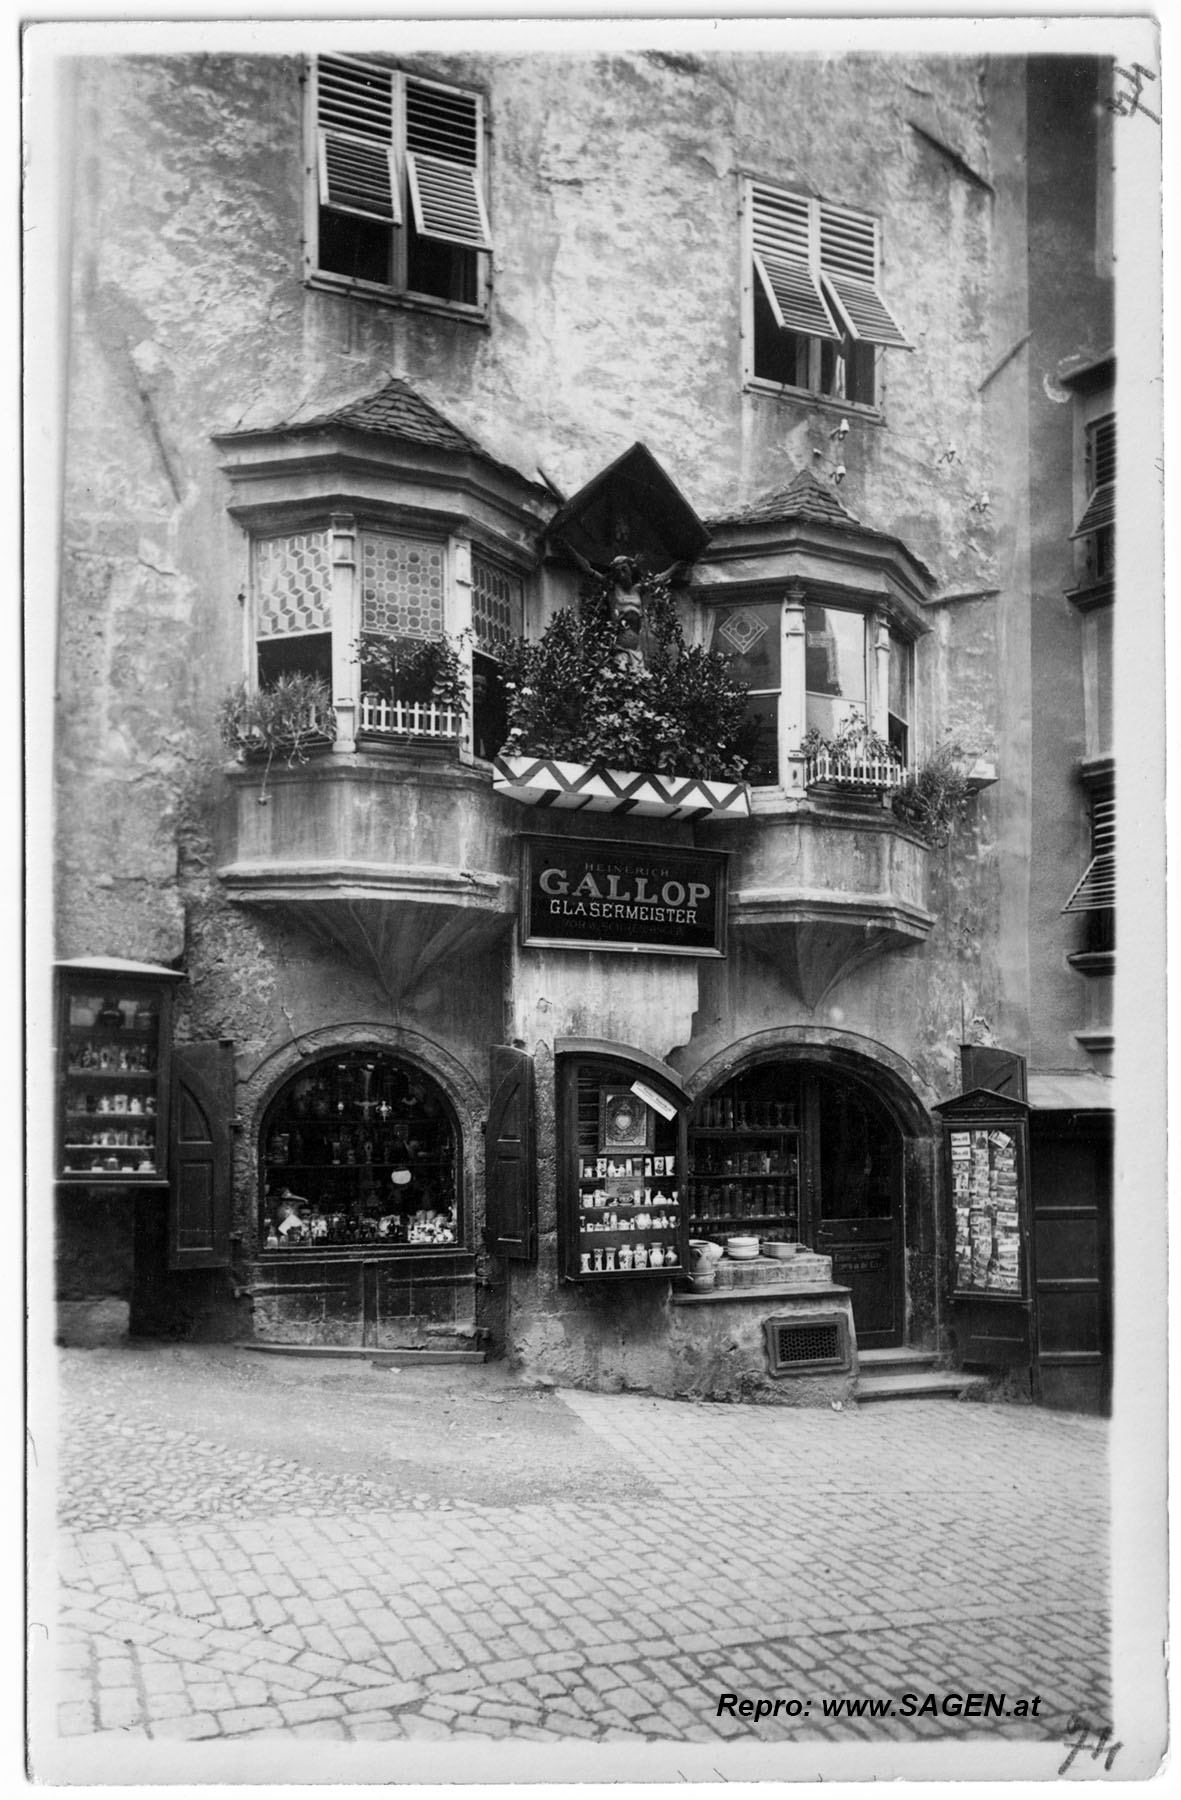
[
  {"x": 199, "y": 1196},
  {"x": 1096, "y": 889},
  {"x": 1000, "y": 1071},
  {"x": 510, "y": 1186},
  {"x": 444, "y": 158},
  {"x": 849, "y": 265},
  {"x": 355, "y": 139},
  {"x": 782, "y": 228}
]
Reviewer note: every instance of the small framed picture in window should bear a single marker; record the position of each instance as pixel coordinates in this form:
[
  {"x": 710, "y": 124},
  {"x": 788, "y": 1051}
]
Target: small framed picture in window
[{"x": 625, "y": 1123}]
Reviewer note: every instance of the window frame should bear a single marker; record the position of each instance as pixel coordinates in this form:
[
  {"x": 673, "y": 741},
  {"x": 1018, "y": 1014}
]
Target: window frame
[
  {"x": 404, "y": 188},
  {"x": 345, "y": 608},
  {"x": 845, "y": 336},
  {"x": 880, "y": 630},
  {"x": 273, "y": 1115}
]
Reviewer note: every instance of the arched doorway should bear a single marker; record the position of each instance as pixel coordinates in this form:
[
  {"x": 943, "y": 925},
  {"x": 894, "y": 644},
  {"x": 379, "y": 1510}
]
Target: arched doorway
[{"x": 810, "y": 1151}]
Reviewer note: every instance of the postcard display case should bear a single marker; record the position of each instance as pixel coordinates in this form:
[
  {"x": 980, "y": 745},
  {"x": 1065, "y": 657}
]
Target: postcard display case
[
  {"x": 113, "y": 1052},
  {"x": 626, "y": 1212},
  {"x": 986, "y": 1164}
]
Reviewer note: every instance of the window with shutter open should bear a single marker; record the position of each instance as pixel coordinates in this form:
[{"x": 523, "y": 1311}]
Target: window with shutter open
[
  {"x": 849, "y": 268},
  {"x": 355, "y": 140},
  {"x": 782, "y": 226},
  {"x": 818, "y": 313},
  {"x": 443, "y": 139},
  {"x": 399, "y": 177},
  {"x": 1096, "y": 890}
]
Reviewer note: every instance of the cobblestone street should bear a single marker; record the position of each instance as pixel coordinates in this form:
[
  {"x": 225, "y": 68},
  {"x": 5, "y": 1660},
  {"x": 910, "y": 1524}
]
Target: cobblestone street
[{"x": 271, "y": 1550}]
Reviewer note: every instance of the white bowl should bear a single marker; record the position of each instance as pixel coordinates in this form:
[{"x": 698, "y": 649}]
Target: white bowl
[{"x": 742, "y": 1249}]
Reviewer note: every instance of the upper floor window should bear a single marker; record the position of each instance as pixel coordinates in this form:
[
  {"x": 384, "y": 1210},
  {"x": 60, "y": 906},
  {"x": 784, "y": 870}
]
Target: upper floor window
[
  {"x": 817, "y": 318},
  {"x": 408, "y": 644},
  {"x": 498, "y": 616},
  {"x": 1096, "y": 528},
  {"x": 1094, "y": 894},
  {"x": 399, "y": 183},
  {"x": 831, "y": 671}
]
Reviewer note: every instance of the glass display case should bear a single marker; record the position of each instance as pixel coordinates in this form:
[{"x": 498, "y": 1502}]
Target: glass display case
[
  {"x": 986, "y": 1163},
  {"x": 625, "y": 1215},
  {"x": 114, "y": 1043}
]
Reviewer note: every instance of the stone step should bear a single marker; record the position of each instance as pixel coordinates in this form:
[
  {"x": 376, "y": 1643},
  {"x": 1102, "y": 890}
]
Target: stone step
[
  {"x": 381, "y": 1359},
  {"x": 898, "y": 1357},
  {"x": 918, "y": 1384}
]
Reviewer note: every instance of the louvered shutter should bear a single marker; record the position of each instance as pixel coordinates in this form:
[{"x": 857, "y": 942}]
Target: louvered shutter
[
  {"x": 444, "y": 155},
  {"x": 199, "y": 1195},
  {"x": 510, "y": 1188},
  {"x": 850, "y": 271},
  {"x": 1096, "y": 890},
  {"x": 782, "y": 238},
  {"x": 1100, "y": 476},
  {"x": 355, "y": 139}
]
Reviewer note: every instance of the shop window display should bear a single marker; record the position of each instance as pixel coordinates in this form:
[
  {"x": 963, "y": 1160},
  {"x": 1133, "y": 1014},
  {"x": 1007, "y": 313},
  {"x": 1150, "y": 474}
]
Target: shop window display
[
  {"x": 359, "y": 1151},
  {"x": 626, "y": 1212}
]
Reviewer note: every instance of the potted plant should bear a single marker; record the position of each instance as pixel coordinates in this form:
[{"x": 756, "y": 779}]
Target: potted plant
[
  {"x": 412, "y": 686},
  {"x": 853, "y": 759},
  {"x": 933, "y": 798},
  {"x": 287, "y": 718},
  {"x": 646, "y": 725}
]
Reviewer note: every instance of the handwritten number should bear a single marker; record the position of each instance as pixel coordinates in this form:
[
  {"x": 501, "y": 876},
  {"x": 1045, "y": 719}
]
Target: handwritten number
[{"x": 1082, "y": 1730}]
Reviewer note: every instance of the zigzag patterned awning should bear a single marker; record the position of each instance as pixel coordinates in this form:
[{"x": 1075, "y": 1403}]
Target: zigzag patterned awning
[{"x": 578, "y": 787}]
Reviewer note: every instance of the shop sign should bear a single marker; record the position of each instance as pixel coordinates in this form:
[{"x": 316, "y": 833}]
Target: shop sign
[{"x": 591, "y": 893}]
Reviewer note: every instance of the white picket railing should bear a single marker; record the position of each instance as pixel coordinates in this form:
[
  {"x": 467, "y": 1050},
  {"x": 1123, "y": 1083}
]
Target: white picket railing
[
  {"x": 404, "y": 719},
  {"x": 852, "y": 771}
]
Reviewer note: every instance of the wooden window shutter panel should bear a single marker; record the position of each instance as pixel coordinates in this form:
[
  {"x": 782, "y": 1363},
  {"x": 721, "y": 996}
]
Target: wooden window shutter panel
[
  {"x": 510, "y": 1183},
  {"x": 356, "y": 158},
  {"x": 849, "y": 266},
  {"x": 199, "y": 1192},
  {"x": 783, "y": 258},
  {"x": 444, "y": 162}
]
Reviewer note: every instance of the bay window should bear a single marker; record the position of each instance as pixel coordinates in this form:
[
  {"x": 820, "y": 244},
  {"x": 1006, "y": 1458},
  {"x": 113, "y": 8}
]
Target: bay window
[
  {"x": 406, "y": 631},
  {"x": 818, "y": 672}
]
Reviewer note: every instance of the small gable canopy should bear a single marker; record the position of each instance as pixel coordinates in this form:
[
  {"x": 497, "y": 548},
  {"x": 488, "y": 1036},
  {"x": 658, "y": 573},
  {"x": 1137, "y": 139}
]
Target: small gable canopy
[{"x": 631, "y": 508}]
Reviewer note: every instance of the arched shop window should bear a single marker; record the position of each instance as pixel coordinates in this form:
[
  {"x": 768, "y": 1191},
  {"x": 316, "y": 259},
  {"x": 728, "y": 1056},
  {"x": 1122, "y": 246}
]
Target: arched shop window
[{"x": 359, "y": 1150}]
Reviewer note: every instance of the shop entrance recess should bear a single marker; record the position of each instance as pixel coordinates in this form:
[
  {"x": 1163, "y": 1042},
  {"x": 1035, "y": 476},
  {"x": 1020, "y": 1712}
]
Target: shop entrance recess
[{"x": 798, "y": 1154}]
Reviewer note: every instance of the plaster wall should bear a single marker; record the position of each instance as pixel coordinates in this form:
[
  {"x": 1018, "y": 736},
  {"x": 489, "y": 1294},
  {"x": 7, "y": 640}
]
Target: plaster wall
[{"x": 615, "y": 315}]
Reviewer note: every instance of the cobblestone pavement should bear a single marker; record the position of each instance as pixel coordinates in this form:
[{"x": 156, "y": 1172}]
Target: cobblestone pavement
[{"x": 266, "y": 1552}]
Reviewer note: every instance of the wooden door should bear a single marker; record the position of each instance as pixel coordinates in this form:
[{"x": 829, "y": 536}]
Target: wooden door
[
  {"x": 853, "y": 1186},
  {"x": 1070, "y": 1188}
]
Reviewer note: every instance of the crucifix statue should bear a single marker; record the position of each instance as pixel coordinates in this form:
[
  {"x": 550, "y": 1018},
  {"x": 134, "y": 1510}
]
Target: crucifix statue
[{"x": 626, "y": 581}]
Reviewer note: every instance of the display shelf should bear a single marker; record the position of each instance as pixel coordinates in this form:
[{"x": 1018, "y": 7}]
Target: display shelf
[{"x": 113, "y": 1046}]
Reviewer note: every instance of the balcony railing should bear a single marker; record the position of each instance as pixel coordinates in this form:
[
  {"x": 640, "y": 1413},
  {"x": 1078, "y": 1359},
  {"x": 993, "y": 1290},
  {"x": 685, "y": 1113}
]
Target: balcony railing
[
  {"x": 825, "y": 767},
  {"x": 400, "y": 718}
]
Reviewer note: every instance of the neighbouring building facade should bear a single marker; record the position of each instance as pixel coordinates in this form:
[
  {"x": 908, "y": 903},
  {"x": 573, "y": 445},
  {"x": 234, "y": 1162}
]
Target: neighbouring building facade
[{"x": 415, "y": 1041}]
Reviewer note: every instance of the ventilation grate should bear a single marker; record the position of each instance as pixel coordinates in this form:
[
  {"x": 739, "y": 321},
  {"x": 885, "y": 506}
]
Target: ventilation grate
[{"x": 796, "y": 1347}]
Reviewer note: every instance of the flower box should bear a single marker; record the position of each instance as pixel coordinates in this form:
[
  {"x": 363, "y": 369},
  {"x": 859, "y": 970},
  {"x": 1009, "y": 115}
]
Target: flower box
[{"x": 587, "y": 787}]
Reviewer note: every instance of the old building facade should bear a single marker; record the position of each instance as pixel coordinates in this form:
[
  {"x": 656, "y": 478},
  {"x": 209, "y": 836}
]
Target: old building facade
[{"x": 383, "y": 344}]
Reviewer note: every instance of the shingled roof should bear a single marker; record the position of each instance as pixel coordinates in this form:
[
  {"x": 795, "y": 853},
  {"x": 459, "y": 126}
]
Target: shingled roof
[
  {"x": 396, "y": 411},
  {"x": 807, "y": 497}
]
